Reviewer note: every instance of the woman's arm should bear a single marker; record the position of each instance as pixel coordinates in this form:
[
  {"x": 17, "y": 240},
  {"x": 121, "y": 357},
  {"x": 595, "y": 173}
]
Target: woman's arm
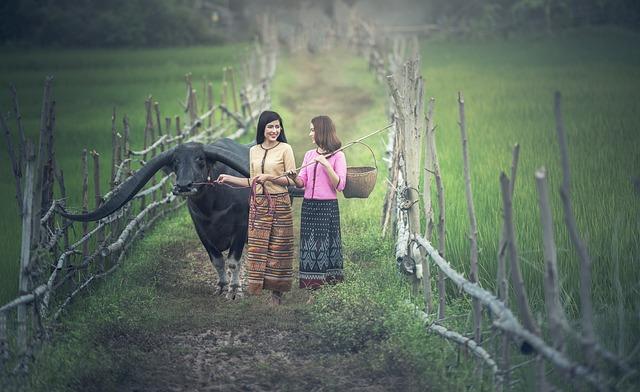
[
  {"x": 233, "y": 180},
  {"x": 293, "y": 176},
  {"x": 333, "y": 176}
]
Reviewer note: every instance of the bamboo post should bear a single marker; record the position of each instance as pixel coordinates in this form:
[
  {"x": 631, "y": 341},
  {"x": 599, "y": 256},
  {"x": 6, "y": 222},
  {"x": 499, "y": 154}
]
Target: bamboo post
[
  {"x": 28, "y": 241},
  {"x": 516, "y": 274},
  {"x": 586, "y": 306},
  {"x": 15, "y": 163},
  {"x": 234, "y": 94},
  {"x": 85, "y": 200},
  {"x": 556, "y": 316},
  {"x": 502, "y": 282},
  {"x": 473, "y": 225},
  {"x": 126, "y": 143},
  {"x": 433, "y": 152},
  {"x": 167, "y": 126},
  {"x": 193, "y": 114},
  {"x": 156, "y": 107},
  {"x": 152, "y": 137},
  {"x": 210, "y": 104},
  {"x": 98, "y": 201},
  {"x": 178, "y": 130},
  {"x": 223, "y": 95},
  {"x": 21, "y": 137},
  {"x": 42, "y": 160},
  {"x": 114, "y": 147},
  {"x": 63, "y": 196},
  {"x": 145, "y": 143},
  {"x": 49, "y": 164}
]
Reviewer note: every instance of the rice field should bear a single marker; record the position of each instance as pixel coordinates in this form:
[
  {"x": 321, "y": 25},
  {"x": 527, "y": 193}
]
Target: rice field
[
  {"x": 87, "y": 85},
  {"x": 508, "y": 89}
]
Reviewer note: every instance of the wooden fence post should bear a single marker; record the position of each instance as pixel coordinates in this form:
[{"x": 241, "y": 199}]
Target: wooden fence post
[
  {"x": 178, "y": 130},
  {"x": 44, "y": 174},
  {"x": 234, "y": 94},
  {"x": 156, "y": 107},
  {"x": 210, "y": 119},
  {"x": 114, "y": 144},
  {"x": 15, "y": 162},
  {"x": 31, "y": 190},
  {"x": 21, "y": 138},
  {"x": 98, "y": 202},
  {"x": 473, "y": 225},
  {"x": 556, "y": 316},
  {"x": 85, "y": 200},
  {"x": 433, "y": 152},
  {"x": 586, "y": 306}
]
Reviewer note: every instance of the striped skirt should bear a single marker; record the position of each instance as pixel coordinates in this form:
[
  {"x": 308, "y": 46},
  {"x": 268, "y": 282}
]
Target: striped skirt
[
  {"x": 320, "y": 243},
  {"x": 270, "y": 249}
]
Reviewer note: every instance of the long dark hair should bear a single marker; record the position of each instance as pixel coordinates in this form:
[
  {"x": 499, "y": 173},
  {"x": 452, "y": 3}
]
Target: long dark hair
[
  {"x": 325, "y": 133},
  {"x": 265, "y": 118}
]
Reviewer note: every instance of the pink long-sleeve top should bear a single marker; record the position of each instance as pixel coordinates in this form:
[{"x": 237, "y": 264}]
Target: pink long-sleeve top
[{"x": 317, "y": 183}]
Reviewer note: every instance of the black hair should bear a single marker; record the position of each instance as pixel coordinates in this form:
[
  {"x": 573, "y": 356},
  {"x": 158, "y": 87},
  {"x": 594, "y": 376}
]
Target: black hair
[{"x": 265, "y": 118}]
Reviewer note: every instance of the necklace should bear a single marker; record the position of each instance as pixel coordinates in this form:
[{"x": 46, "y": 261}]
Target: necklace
[{"x": 269, "y": 148}]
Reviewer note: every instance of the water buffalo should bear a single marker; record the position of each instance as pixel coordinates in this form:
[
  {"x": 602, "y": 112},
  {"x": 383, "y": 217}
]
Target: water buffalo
[{"x": 219, "y": 213}]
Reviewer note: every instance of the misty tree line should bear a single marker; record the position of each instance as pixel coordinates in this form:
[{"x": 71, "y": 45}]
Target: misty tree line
[
  {"x": 99, "y": 23},
  {"x": 504, "y": 16},
  {"x": 89, "y": 23}
]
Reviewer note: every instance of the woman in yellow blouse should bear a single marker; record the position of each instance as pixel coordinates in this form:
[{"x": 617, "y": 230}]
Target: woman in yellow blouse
[{"x": 270, "y": 245}]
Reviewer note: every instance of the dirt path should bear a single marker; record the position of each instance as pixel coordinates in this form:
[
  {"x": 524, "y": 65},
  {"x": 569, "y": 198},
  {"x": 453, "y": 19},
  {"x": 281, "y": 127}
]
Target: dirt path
[{"x": 247, "y": 344}]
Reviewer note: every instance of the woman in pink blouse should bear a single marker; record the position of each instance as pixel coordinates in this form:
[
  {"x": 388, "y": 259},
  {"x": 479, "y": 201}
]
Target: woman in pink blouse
[{"x": 320, "y": 242}]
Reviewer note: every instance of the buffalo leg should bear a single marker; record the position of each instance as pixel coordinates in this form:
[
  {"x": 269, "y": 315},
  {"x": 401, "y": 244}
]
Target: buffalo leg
[
  {"x": 218, "y": 263},
  {"x": 234, "y": 262}
]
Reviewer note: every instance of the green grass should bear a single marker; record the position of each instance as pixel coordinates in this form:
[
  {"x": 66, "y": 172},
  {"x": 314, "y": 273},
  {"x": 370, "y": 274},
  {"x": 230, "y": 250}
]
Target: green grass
[
  {"x": 87, "y": 85},
  {"x": 508, "y": 89}
]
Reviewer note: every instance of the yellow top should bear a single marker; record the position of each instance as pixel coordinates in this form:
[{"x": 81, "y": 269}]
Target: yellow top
[{"x": 275, "y": 160}]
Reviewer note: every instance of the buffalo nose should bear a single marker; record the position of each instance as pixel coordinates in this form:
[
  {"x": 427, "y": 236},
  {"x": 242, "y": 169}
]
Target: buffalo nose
[{"x": 182, "y": 187}]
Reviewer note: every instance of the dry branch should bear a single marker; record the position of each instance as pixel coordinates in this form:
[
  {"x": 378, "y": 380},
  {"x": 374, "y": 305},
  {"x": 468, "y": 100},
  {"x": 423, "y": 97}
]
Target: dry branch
[
  {"x": 473, "y": 225},
  {"x": 585, "y": 260},
  {"x": 463, "y": 341},
  {"x": 151, "y": 148},
  {"x": 557, "y": 319},
  {"x": 30, "y": 192},
  {"x": 15, "y": 162},
  {"x": 507, "y": 322},
  {"x": 117, "y": 245}
]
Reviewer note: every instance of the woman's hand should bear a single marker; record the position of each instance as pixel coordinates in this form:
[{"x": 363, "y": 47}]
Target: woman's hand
[
  {"x": 291, "y": 174},
  {"x": 322, "y": 160},
  {"x": 262, "y": 178},
  {"x": 223, "y": 179}
]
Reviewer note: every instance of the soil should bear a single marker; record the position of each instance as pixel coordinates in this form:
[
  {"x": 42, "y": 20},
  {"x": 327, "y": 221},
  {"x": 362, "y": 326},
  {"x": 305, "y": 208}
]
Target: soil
[{"x": 246, "y": 344}]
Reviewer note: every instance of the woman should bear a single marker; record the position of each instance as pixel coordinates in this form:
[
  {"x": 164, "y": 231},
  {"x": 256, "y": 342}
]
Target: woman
[
  {"x": 325, "y": 175},
  {"x": 270, "y": 247}
]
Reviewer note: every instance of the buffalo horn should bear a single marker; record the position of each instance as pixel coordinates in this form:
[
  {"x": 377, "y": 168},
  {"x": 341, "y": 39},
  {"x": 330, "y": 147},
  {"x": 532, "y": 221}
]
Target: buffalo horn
[{"x": 127, "y": 190}]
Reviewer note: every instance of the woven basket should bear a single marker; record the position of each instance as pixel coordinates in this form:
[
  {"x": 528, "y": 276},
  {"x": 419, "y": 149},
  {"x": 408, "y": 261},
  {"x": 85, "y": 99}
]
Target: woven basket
[{"x": 361, "y": 179}]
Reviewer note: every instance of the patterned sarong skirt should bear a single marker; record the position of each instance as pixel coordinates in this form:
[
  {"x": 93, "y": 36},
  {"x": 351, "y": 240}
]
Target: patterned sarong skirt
[
  {"x": 320, "y": 243},
  {"x": 270, "y": 248}
]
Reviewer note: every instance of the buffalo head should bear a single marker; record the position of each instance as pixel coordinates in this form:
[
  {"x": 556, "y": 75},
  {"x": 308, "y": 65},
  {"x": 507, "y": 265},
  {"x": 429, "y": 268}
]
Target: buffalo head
[{"x": 191, "y": 162}]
